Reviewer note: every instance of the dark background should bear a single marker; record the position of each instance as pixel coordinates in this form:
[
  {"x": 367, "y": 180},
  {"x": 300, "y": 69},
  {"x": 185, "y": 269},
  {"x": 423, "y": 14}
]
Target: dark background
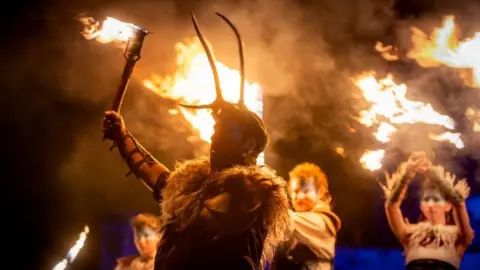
[{"x": 58, "y": 175}]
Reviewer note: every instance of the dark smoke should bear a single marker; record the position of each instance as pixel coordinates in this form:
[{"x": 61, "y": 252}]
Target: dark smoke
[{"x": 303, "y": 53}]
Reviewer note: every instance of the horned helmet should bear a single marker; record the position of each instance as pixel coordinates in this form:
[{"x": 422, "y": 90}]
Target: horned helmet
[{"x": 234, "y": 122}]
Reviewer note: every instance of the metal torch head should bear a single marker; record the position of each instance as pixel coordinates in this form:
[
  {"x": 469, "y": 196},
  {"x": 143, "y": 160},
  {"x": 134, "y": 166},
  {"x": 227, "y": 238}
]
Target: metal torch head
[{"x": 135, "y": 43}]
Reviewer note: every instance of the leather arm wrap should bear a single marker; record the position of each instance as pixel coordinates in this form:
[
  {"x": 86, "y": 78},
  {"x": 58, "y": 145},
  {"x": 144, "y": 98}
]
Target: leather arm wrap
[{"x": 128, "y": 157}]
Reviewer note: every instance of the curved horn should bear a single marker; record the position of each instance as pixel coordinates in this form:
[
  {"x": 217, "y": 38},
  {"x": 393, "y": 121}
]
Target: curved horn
[
  {"x": 207, "y": 106},
  {"x": 240, "y": 50},
  {"x": 211, "y": 59}
]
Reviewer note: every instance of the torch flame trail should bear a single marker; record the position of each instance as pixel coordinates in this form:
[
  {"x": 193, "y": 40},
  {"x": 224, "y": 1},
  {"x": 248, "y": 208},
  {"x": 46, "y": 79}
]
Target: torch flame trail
[
  {"x": 390, "y": 107},
  {"x": 73, "y": 252}
]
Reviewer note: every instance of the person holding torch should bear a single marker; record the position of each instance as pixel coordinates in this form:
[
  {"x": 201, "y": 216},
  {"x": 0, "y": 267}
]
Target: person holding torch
[{"x": 221, "y": 211}]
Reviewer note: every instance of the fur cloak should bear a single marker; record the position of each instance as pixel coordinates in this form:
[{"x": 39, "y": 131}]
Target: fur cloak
[{"x": 248, "y": 195}]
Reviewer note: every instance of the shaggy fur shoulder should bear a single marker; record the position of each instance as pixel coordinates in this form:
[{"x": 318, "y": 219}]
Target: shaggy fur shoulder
[{"x": 191, "y": 184}]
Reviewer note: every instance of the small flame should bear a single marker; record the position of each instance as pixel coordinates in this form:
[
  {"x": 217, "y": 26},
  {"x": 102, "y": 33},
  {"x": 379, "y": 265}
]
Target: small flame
[
  {"x": 73, "y": 252},
  {"x": 340, "y": 151},
  {"x": 443, "y": 47},
  {"x": 384, "y": 131},
  {"x": 454, "y": 138},
  {"x": 110, "y": 30},
  {"x": 387, "y": 52},
  {"x": 193, "y": 84},
  {"x": 372, "y": 160},
  {"x": 61, "y": 265}
]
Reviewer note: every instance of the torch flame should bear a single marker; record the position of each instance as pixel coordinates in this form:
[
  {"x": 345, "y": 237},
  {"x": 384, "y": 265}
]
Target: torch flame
[
  {"x": 73, "y": 252},
  {"x": 110, "y": 30},
  {"x": 388, "y": 102},
  {"x": 193, "y": 84},
  {"x": 443, "y": 47},
  {"x": 372, "y": 160},
  {"x": 454, "y": 138}
]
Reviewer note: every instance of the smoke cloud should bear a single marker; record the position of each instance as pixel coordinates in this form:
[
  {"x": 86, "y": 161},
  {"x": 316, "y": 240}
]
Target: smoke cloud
[{"x": 303, "y": 54}]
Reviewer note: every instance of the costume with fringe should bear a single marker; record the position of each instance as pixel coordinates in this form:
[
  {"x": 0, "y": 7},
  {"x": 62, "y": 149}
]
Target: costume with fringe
[
  {"x": 429, "y": 246},
  {"x": 432, "y": 246},
  {"x": 232, "y": 219}
]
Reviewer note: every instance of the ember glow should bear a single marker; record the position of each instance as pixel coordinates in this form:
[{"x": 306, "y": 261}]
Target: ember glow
[
  {"x": 73, "y": 252},
  {"x": 108, "y": 31},
  {"x": 442, "y": 47},
  {"x": 389, "y": 108},
  {"x": 193, "y": 84}
]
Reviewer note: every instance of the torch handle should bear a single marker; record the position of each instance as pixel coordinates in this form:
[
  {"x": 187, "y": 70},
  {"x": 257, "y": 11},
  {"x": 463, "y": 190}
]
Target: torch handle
[{"x": 122, "y": 87}]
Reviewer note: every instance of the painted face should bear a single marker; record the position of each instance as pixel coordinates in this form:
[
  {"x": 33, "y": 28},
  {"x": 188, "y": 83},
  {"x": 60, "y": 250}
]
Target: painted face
[
  {"x": 303, "y": 193},
  {"x": 434, "y": 205},
  {"x": 146, "y": 240},
  {"x": 433, "y": 196}
]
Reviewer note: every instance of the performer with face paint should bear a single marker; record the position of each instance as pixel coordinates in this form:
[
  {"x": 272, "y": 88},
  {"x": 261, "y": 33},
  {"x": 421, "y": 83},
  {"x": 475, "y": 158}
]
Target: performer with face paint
[
  {"x": 222, "y": 211},
  {"x": 146, "y": 236},
  {"x": 442, "y": 235},
  {"x": 310, "y": 243}
]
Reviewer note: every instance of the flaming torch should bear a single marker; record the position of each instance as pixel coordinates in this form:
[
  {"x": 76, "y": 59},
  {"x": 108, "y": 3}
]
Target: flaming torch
[
  {"x": 132, "y": 55},
  {"x": 73, "y": 252},
  {"x": 113, "y": 30}
]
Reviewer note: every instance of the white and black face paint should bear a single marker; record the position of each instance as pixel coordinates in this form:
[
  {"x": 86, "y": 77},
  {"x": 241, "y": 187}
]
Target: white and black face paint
[
  {"x": 303, "y": 188},
  {"x": 433, "y": 196},
  {"x": 146, "y": 232}
]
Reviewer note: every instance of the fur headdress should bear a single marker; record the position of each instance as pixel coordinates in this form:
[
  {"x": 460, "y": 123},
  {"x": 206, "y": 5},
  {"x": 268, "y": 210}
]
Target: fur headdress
[{"x": 245, "y": 193}]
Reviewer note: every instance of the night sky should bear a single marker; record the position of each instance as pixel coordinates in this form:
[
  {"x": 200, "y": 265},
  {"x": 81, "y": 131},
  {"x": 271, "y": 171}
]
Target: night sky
[{"x": 59, "y": 175}]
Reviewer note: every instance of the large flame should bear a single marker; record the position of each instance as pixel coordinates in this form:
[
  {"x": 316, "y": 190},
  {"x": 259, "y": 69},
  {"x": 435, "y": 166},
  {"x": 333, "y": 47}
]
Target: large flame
[
  {"x": 390, "y": 107},
  {"x": 108, "y": 31},
  {"x": 443, "y": 47},
  {"x": 73, "y": 252},
  {"x": 193, "y": 84}
]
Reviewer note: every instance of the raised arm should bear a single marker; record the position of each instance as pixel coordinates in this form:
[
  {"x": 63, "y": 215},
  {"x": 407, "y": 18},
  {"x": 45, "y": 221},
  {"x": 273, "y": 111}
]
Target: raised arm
[
  {"x": 395, "y": 191},
  {"x": 456, "y": 193},
  {"x": 396, "y": 188},
  {"x": 141, "y": 163}
]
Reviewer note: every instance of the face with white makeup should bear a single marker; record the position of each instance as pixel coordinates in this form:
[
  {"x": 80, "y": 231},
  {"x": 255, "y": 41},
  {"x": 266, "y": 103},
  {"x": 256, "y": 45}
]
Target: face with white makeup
[
  {"x": 435, "y": 208},
  {"x": 307, "y": 187},
  {"x": 146, "y": 234}
]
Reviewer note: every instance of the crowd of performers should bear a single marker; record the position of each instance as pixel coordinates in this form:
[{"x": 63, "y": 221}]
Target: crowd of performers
[{"x": 224, "y": 211}]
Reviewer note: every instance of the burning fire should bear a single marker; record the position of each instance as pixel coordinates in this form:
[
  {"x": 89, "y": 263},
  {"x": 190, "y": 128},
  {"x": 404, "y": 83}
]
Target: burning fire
[
  {"x": 389, "y": 107},
  {"x": 193, "y": 81},
  {"x": 193, "y": 84},
  {"x": 372, "y": 160},
  {"x": 73, "y": 252},
  {"x": 110, "y": 30},
  {"x": 443, "y": 47}
]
